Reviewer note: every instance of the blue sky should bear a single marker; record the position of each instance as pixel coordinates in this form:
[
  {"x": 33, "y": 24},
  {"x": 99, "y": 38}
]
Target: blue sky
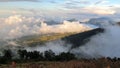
[{"x": 60, "y": 8}]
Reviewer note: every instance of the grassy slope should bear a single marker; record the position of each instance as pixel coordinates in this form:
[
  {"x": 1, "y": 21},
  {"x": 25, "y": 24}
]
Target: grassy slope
[
  {"x": 41, "y": 39},
  {"x": 76, "y": 39}
]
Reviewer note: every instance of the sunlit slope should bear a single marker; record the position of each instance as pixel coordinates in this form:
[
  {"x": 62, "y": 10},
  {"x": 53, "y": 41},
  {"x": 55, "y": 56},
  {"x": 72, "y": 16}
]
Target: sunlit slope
[
  {"x": 41, "y": 39},
  {"x": 73, "y": 38}
]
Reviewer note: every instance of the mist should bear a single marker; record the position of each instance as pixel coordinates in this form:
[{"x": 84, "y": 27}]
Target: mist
[
  {"x": 105, "y": 44},
  {"x": 56, "y": 46}
]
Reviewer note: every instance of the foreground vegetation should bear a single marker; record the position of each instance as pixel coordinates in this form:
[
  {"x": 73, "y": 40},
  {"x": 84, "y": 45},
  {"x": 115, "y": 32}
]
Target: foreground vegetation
[
  {"x": 49, "y": 59},
  {"x": 82, "y": 63},
  {"x": 23, "y": 56}
]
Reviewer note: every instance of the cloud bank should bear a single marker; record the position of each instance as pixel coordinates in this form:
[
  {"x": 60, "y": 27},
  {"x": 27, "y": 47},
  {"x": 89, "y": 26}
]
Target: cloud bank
[
  {"x": 17, "y": 26},
  {"x": 103, "y": 45}
]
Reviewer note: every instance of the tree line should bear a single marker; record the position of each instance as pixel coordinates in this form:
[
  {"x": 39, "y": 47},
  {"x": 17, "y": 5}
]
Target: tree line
[
  {"x": 27, "y": 56},
  {"x": 49, "y": 55}
]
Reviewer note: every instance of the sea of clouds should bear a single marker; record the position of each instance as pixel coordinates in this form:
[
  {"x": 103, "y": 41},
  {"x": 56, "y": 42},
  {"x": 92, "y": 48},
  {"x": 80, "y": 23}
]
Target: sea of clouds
[
  {"x": 18, "y": 26},
  {"x": 105, "y": 44}
]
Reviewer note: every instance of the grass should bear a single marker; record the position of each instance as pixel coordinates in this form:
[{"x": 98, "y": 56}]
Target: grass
[
  {"x": 41, "y": 39},
  {"x": 100, "y": 63}
]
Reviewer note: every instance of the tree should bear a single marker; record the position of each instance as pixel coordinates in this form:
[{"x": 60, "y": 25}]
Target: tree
[
  {"x": 65, "y": 56},
  {"x": 7, "y": 54},
  {"x": 22, "y": 54},
  {"x": 49, "y": 55}
]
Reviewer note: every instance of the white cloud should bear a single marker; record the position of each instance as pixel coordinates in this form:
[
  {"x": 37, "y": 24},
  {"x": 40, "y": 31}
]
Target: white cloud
[
  {"x": 13, "y": 19},
  {"x": 95, "y": 10},
  {"x": 101, "y": 2},
  {"x": 106, "y": 44},
  {"x": 17, "y": 26},
  {"x": 100, "y": 7},
  {"x": 65, "y": 27},
  {"x": 100, "y": 10}
]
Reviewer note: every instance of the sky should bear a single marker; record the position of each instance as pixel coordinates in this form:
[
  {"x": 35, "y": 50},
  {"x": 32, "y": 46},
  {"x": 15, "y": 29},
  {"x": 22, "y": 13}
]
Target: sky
[{"x": 61, "y": 9}]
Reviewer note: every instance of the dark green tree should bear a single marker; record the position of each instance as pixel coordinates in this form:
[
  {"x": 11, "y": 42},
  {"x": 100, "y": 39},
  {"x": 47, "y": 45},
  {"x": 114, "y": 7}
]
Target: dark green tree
[
  {"x": 49, "y": 55},
  {"x": 22, "y": 54},
  {"x": 65, "y": 56},
  {"x": 8, "y": 54}
]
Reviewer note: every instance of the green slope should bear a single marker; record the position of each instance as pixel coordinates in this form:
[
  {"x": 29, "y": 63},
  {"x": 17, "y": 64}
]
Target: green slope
[
  {"x": 40, "y": 39},
  {"x": 76, "y": 39}
]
